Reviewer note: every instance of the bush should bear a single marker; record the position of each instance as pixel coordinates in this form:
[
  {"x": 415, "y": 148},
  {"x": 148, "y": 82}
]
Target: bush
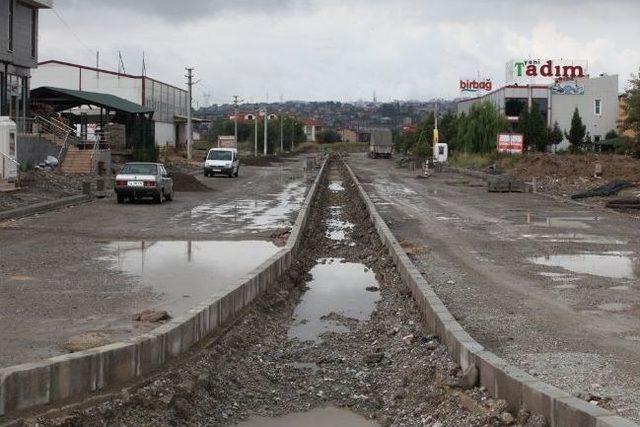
[
  {"x": 611, "y": 134},
  {"x": 145, "y": 154},
  {"x": 329, "y": 136},
  {"x": 25, "y": 166}
]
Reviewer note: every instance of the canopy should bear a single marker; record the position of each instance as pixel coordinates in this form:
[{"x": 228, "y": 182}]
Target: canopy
[{"x": 63, "y": 99}]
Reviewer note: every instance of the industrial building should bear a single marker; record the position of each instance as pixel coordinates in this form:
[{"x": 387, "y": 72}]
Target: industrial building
[
  {"x": 170, "y": 103},
  {"x": 595, "y": 98},
  {"x": 18, "y": 53}
]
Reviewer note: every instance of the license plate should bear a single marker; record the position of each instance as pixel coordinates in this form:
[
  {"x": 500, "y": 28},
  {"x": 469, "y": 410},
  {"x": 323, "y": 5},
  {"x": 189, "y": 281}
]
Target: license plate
[
  {"x": 135, "y": 184},
  {"x": 217, "y": 170}
]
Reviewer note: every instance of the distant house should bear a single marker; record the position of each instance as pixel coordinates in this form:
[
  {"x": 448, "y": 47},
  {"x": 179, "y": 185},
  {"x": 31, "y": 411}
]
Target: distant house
[
  {"x": 348, "y": 135},
  {"x": 311, "y": 129}
]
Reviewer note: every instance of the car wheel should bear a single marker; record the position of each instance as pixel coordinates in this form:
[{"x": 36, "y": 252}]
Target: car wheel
[
  {"x": 120, "y": 198},
  {"x": 237, "y": 171},
  {"x": 169, "y": 196},
  {"x": 158, "y": 198}
]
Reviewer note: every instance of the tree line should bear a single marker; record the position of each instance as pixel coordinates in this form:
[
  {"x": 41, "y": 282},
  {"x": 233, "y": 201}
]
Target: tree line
[{"x": 476, "y": 132}]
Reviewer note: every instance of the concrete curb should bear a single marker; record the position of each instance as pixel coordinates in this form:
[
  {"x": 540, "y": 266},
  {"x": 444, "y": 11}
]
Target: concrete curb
[
  {"x": 503, "y": 381},
  {"x": 43, "y": 207},
  {"x": 71, "y": 377}
]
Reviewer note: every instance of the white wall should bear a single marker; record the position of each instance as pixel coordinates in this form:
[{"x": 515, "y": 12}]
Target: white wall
[
  {"x": 70, "y": 77},
  {"x": 165, "y": 133}
]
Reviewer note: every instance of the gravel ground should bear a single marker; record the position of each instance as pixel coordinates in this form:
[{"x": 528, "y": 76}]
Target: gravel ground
[
  {"x": 40, "y": 186},
  {"x": 497, "y": 260},
  {"x": 384, "y": 368}
]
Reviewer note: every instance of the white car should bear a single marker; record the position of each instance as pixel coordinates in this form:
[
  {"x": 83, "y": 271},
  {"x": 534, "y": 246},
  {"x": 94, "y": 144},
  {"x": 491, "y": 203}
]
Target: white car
[{"x": 223, "y": 161}]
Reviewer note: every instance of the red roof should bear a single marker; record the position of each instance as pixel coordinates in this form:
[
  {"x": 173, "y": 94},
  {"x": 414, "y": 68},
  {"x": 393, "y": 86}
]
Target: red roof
[{"x": 310, "y": 122}]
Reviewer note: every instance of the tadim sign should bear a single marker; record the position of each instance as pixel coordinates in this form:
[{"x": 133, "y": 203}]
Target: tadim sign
[{"x": 527, "y": 71}]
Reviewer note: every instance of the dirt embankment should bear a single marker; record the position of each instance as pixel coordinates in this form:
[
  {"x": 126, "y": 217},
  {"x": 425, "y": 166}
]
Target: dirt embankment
[{"x": 570, "y": 173}]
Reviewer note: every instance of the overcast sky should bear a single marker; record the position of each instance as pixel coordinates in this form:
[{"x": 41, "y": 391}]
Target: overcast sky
[{"x": 340, "y": 50}]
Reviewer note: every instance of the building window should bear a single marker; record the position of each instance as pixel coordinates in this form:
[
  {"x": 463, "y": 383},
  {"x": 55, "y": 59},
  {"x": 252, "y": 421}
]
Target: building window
[
  {"x": 10, "y": 25},
  {"x": 597, "y": 107},
  {"x": 34, "y": 32}
]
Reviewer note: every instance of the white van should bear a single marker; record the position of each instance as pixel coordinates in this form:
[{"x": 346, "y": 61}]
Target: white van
[{"x": 223, "y": 161}]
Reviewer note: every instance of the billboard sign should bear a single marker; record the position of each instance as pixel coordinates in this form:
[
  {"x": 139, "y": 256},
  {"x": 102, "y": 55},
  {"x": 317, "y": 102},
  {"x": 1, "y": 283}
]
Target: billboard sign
[
  {"x": 227, "y": 141},
  {"x": 545, "y": 71},
  {"x": 570, "y": 87},
  {"x": 512, "y": 143},
  {"x": 475, "y": 85}
]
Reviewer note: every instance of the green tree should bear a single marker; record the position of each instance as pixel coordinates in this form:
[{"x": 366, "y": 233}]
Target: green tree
[
  {"x": 555, "y": 136},
  {"x": 531, "y": 125},
  {"x": 448, "y": 128},
  {"x": 328, "y": 136},
  {"x": 479, "y": 130},
  {"x": 577, "y": 132},
  {"x": 422, "y": 148},
  {"x": 631, "y": 106}
]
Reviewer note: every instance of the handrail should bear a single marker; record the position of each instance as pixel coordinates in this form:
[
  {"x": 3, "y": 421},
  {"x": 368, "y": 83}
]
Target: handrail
[{"x": 9, "y": 157}]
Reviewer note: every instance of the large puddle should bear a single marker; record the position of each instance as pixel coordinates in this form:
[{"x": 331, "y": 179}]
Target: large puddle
[
  {"x": 337, "y": 296},
  {"x": 257, "y": 214},
  {"x": 186, "y": 272},
  {"x": 321, "y": 417},
  {"x": 617, "y": 265}
]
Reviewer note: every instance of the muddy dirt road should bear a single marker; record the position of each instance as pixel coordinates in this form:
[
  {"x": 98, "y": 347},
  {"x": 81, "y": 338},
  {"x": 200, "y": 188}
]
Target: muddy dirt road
[
  {"x": 340, "y": 340},
  {"x": 549, "y": 285},
  {"x": 74, "y": 278}
]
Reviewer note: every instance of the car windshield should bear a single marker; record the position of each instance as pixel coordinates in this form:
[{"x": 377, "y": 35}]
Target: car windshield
[
  {"x": 139, "y": 169},
  {"x": 219, "y": 155}
]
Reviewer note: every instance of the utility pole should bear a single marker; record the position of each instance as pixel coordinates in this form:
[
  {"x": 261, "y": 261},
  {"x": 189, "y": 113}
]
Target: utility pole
[
  {"x": 189, "y": 77},
  {"x": 266, "y": 120},
  {"x": 255, "y": 134},
  {"x": 235, "y": 117},
  {"x": 293, "y": 126},
  {"x": 281, "y": 135}
]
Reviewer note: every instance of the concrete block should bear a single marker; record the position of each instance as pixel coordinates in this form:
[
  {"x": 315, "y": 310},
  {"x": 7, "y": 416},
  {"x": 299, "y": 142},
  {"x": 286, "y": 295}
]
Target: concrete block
[
  {"x": 538, "y": 397},
  {"x": 24, "y": 386},
  {"x": 75, "y": 374},
  {"x": 150, "y": 352},
  {"x": 614, "y": 421},
  {"x": 574, "y": 412},
  {"x": 118, "y": 363}
]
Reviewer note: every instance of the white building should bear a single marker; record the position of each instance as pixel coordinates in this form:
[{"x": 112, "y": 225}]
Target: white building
[
  {"x": 595, "y": 98},
  {"x": 169, "y": 102}
]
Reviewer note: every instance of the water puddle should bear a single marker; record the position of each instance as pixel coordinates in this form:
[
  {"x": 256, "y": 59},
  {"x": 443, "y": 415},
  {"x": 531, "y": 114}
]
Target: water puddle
[
  {"x": 614, "y": 306},
  {"x": 320, "y": 417},
  {"x": 566, "y": 286},
  {"x": 306, "y": 366},
  {"x": 186, "y": 272},
  {"x": 337, "y": 297},
  {"x": 252, "y": 214},
  {"x": 616, "y": 265},
  {"x": 561, "y": 222},
  {"x": 336, "y": 186},
  {"x": 575, "y": 238}
]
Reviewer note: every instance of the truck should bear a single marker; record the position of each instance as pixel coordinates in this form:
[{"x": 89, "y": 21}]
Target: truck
[{"x": 381, "y": 143}]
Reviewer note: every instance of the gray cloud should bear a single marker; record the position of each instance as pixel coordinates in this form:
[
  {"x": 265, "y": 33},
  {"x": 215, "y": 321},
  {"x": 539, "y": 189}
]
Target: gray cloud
[
  {"x": 190, "y": 9},
  {"x": 340, "y": 49}
]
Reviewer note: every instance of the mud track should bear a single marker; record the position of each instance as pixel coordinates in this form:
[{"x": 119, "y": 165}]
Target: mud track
[{"x": 383, "y": 368}]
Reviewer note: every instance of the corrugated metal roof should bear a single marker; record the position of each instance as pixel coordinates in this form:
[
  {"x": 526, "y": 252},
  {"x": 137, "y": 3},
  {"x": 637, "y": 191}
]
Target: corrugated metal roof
[{"x": 68, "y": 98}]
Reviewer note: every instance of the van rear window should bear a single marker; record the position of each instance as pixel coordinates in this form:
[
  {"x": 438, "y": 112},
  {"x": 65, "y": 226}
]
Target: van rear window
[{"x": 219, "y": 155}]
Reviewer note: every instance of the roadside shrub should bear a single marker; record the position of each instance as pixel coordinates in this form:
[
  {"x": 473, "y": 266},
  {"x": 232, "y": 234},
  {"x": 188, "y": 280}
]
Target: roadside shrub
[
  {"x": 611, "y": 134},
  {"x": 25, "y": 166},
  {"x": 145, "y": 154}
]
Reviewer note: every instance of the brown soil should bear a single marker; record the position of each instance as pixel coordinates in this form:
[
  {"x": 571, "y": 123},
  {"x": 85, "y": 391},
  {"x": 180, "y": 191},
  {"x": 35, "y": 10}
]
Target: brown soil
[
  {"x": 188, "y": 183},
  {"x": 572, "y": 166}
]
